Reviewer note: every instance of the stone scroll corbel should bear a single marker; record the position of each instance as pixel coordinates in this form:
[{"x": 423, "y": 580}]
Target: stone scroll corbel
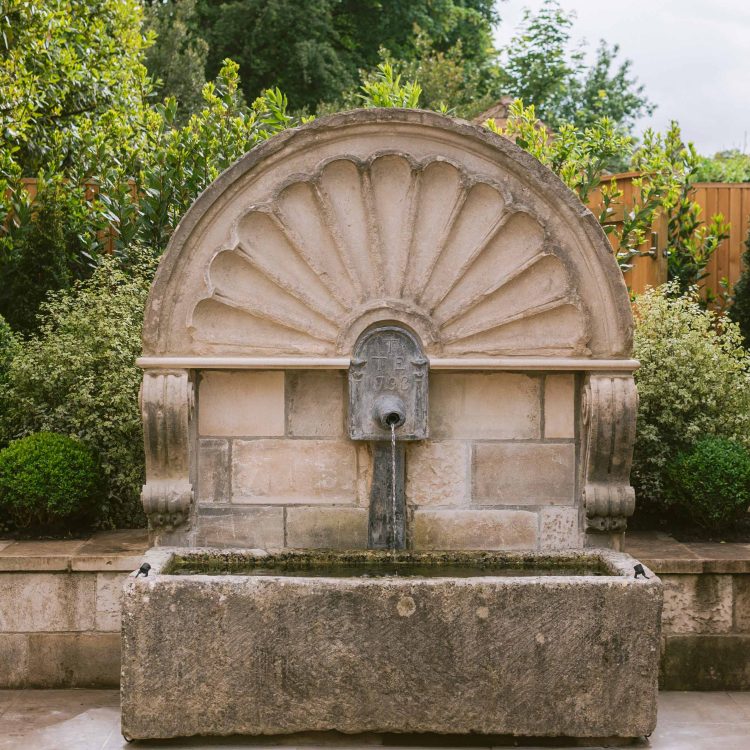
[
  {"x": 167, "y": 406},
  {"x": 610, "y": 403}
]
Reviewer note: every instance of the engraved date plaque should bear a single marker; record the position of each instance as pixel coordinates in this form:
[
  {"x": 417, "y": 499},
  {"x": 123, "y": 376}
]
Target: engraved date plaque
[{"x": 388, "y": 366}]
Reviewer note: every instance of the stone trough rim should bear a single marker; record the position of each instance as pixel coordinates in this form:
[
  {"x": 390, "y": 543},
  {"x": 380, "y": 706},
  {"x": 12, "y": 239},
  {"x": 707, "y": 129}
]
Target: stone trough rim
[{"x": 620, "y": 565}]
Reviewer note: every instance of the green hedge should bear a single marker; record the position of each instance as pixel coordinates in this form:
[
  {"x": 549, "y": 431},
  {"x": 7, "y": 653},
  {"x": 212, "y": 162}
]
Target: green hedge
[
  {"x": 47, "y": 483},
  {"x": 710, "y": 483}
]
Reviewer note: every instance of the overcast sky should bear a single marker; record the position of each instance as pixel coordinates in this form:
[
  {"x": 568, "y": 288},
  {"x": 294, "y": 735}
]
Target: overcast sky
[{"x": 692, "y": 55}]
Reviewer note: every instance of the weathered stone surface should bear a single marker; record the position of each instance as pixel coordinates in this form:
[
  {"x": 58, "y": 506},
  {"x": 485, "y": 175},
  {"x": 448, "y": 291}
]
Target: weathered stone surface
[
  {"x": 115, "y": 550},
  {"x": 48, "y": 602},
  {"x": 14, "y": 660},
  {"x": 108, "y": 604},
  {"x": 706, "y": 662},
  {"x": 73, "y": 660},
  {"x": 241, "y": 403},
  {"x": 560, "y": 528},
  {"x": 559, "y": 406},
  {"x": 293, "y": 471},
  {"x": 437, "y": 473},
  {"x": 741, "y": 598},
  {"x": 240, "y": 527},
  {"x": 328, "y": 528},
  {"x": 487, "y": 405},
  {"x": 38, "y": 555},
  {"x": 475, "y": 529},
  {"x": 697, "y": 603},
  {"x": 315, "y": 403},
  {"x": 523, "y": 474},
  {"x": 390, "y": 654},
  {"x": 214, "y": 471},
  {"x": 365, "y": 467}
]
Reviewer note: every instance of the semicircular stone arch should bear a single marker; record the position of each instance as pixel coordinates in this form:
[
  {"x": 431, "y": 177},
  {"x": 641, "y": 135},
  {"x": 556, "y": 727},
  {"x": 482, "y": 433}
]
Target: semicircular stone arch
[{"x": 388, "y": 215}]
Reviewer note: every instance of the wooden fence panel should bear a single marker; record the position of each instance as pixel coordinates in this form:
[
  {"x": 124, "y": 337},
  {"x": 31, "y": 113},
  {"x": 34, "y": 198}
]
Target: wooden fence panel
[
  {"x": 733, "y": 201},
  {"x": 650, "y": 268},
  {"x": 730, "y": 199}
]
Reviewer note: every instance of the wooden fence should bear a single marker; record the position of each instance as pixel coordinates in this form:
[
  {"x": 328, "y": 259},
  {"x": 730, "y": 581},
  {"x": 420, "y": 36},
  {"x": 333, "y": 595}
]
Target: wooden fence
[
  {"x": 733, "y": 201},
  {"x": 650, "y": 269}
]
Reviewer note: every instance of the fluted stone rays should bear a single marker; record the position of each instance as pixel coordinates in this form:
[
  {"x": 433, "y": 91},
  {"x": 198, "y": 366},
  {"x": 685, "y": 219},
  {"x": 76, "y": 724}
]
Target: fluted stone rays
[{"x": 391, "y": 232}]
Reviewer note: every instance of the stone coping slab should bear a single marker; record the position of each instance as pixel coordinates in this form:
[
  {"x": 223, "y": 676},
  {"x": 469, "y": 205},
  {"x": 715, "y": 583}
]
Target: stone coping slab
[
  {"x": 116, "y": 551},
  {"x": 664, "y": 554}
]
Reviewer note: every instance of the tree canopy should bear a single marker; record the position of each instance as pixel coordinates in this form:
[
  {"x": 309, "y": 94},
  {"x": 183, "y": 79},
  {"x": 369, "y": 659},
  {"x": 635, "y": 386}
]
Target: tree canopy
[
  {"x": 543, "y": 66},
  {"x": 313, "y": 49},
  {"x": 67, "y": 66}
]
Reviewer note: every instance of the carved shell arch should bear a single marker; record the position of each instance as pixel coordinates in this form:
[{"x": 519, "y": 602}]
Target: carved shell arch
[
  {"x": 449, "y": 253},
  {"x": 388, "y": 215}
]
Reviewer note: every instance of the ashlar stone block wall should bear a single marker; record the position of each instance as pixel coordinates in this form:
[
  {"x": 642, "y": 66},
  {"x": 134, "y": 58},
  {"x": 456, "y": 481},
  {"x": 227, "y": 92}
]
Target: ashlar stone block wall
[
  {"x": 60, "y": 609},
  {"x": 706, "y": 630},
  {"x": 276, "y": 467}
]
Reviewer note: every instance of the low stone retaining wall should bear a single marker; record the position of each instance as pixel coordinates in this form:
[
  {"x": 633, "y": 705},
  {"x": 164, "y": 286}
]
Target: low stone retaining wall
[
  {"x": 706, "y": 617},
  {"x": 60, "y": 610}
]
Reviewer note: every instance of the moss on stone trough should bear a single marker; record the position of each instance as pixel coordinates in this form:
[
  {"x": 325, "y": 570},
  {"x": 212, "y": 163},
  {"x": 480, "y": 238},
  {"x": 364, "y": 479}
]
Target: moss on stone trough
[{"x": 333, "y": 562}]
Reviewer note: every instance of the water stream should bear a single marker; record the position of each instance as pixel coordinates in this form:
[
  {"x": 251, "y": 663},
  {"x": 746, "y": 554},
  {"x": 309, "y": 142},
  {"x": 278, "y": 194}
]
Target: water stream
[{"x": 393, "y": 486}]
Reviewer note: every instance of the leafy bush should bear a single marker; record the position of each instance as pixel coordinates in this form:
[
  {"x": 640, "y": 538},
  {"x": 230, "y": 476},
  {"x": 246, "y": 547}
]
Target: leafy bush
[
  {"x": 9, "y": 347},
  {"x": 739, "y": 312},
  {"x": 46, "y": 252},
  {"x": 47, "y": 481},
  {"x": 726, "y": 166},
  {"x": 77, "y": 376},
  {"x": 710, "y": 483},
  {"x": 694, "y": 382}
]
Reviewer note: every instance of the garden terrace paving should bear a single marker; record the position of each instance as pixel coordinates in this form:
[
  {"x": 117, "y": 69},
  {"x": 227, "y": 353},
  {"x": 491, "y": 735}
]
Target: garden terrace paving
[{"x": 90, "y": 720}]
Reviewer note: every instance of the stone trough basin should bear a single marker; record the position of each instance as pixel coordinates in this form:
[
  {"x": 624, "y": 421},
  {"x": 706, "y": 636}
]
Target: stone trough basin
[{"x": 221, "y": 642}]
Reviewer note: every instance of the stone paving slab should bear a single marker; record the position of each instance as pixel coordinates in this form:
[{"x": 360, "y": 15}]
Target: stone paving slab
[
  {"x": 663, "y": 554},
  {"x": 90, "y": 720},
  {"x": 108, "y": 550}
]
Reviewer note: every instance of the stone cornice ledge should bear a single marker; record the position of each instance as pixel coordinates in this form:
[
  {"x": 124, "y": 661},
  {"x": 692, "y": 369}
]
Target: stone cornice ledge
[
  {"x": 565, "y": 364},
  {"x": 665, "y": 555},
  {"x": 106, "y": 551}
]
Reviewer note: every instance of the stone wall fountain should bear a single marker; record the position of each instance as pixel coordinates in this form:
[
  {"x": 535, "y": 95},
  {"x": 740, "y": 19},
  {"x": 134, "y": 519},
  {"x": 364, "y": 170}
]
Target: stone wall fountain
[{"x": 389, "y": 414}]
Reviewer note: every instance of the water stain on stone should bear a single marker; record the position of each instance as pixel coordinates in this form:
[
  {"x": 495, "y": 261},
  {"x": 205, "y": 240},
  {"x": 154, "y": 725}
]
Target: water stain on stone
[{"x": 406, "y": 606}]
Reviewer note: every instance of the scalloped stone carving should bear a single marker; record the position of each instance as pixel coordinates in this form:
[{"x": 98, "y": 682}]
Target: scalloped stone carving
[
  {"x": 381, "y": 215},
  {"x": 426, "y": 239}
]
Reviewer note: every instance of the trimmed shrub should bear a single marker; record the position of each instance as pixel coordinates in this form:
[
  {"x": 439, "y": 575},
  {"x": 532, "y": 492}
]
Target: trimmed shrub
[
  {"x": 77, "y": 376},
  {"x": 694, "y": 382},
  {"x": 47, "y": 482},
  {"x": 710, "y": 484}
]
